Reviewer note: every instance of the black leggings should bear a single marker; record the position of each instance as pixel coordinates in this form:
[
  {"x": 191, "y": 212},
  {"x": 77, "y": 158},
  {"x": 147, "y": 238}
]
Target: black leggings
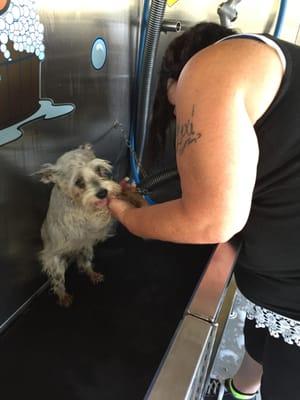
[{"x": 280, "y": 361}]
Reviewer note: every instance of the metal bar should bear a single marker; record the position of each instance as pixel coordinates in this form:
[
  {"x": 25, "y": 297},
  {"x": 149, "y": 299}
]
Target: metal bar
[
  {"x": 171, "y": 25},
  {"x": 23, "y": 307},
  {"x": 209, "y": 294},
  {"x": 187, "y": 364},
  {"x": 187, "y": 354}
]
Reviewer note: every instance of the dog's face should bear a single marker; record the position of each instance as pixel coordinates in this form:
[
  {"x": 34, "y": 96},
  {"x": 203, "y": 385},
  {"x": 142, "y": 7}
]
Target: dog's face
[{"x": 82, "y": 177}]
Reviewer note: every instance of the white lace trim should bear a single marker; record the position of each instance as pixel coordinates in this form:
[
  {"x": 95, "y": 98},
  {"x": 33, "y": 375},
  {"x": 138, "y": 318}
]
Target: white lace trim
[{"x": 277, "y": 324}]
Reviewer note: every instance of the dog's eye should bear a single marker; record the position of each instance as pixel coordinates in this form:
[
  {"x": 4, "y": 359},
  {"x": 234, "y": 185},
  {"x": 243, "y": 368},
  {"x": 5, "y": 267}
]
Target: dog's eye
[
  {"x": 80, "y": 182},
  {"x": 100, "y": 171},
  {"x": 103, "y": 172}
]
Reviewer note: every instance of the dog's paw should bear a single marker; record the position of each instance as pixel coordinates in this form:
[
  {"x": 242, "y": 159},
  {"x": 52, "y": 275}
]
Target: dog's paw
[
  {"x": 65, "y": 300},
  {"x": 96, "y": 277}
]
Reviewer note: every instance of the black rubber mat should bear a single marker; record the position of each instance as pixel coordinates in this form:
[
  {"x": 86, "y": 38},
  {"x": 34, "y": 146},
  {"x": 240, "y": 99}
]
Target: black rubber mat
[{"x": 109, "y": 344}]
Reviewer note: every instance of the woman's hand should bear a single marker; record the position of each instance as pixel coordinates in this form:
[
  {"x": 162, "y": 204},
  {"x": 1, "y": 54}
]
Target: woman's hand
[
  {"x": 128, "y": 199},
  {"x": 118, "y": 208}
]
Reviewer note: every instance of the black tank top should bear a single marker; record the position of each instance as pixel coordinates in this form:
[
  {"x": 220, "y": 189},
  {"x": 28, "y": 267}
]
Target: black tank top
[{"x": 268, "y": 268}]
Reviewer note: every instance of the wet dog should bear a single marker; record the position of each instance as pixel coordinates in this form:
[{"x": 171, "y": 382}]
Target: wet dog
[{"x": 77, "y": 217}]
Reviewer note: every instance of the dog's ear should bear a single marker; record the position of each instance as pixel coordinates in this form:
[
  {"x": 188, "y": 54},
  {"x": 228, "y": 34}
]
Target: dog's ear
[
  {"x": 47, "y": 173},
  {"x": 86, "y": 146}
]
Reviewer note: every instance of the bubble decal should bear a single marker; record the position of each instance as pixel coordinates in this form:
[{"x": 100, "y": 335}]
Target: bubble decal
[
  {"x": 4, "y": 4},
  {"x": 20, "y": 24},
  {"x": 98, "y": 53},
  {"x": 22, "y": 50}
]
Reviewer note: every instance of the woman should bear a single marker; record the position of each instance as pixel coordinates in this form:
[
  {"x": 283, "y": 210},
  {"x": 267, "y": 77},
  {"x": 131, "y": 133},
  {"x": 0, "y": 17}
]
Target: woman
[{"x": 237, "y": 106}]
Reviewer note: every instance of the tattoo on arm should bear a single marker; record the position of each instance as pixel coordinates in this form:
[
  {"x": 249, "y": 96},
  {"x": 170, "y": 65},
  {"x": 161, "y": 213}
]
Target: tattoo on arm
[{"x": 186, "y": 134}]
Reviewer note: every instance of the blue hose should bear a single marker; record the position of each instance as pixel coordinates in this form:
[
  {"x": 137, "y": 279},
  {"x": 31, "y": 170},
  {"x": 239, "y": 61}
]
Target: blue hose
[
  {"x": 280, "y": 18},
  {"x": 156, "y": 15},
  {"x": 147, "y": 17},
  {"x": 133, "y": 165}
]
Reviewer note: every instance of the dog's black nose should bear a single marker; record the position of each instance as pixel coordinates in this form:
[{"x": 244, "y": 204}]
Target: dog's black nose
[{"x": 101, "y": 194}]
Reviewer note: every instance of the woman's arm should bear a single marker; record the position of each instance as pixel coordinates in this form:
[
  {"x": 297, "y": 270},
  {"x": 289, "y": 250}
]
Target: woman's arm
[
  {"x": 168, "y": 221},
  {"x": 216, "y": 158},
  {"x": 217, "y": 150}
]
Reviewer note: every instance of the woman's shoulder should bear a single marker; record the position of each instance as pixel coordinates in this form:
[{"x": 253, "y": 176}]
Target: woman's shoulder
[{"x": 247, "y": 66}]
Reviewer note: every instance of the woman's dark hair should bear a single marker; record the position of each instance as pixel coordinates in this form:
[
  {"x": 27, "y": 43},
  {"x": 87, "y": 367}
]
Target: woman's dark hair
[{"x": 179, "y": 51}]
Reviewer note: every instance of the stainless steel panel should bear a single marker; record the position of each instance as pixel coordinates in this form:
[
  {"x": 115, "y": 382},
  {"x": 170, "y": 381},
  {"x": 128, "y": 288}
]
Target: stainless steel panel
[
  {"x": 253, "y": 15},
  {"x": 209, "y": 295},
  {"x": 100, "y": 97},
  {"x": 186, "y": 359}
]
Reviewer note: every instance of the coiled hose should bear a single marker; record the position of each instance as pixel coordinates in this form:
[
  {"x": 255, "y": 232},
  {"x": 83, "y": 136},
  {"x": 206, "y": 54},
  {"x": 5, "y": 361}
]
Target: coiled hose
[
  {"x": 164, "y": 185},
  {"x": 156, "y": 14}
]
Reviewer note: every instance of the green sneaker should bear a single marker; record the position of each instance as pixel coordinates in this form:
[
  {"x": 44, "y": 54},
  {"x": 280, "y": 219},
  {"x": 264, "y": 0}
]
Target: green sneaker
[{"x": 218, "y": 390}]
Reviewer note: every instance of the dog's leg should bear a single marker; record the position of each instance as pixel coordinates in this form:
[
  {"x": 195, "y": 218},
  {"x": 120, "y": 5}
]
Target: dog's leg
[
  {"x": 85, "y": 265},
  {"x": 55, "y": 267}
]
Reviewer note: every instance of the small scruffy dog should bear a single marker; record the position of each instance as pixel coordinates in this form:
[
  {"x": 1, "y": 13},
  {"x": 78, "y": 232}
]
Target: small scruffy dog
[{"x": 77, "y": 217}]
